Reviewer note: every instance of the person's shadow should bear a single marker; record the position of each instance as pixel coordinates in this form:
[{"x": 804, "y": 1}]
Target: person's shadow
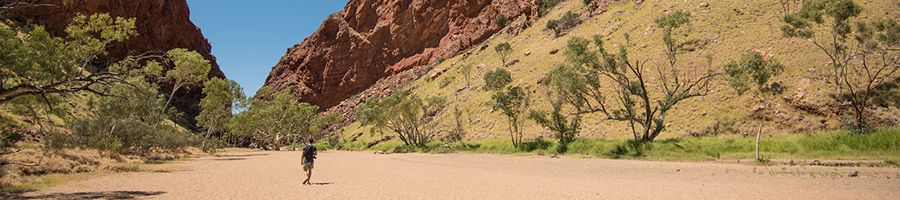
[{"x": 322, "y": 183}]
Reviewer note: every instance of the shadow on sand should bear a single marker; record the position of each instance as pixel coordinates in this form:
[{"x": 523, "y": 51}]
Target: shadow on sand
[
  {"x": 323, "y": 183},
  {"x": 86, "y": 195},
  {"x": 227, "y": 159},
  {"x": 241, "y": 155}
]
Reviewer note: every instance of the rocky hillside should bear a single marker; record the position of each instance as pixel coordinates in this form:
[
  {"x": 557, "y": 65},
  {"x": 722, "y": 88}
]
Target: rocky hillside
[
  {"x": 720, "y": 30},
  {"x": 162, "y": 25},
  {"x": 371, "y": 39}
]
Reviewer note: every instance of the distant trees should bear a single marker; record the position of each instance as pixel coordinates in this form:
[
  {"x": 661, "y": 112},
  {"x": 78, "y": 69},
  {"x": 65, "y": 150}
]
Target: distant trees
[
  {"x": 221, "y": 97},
  {"x": 753, "y": 74},
  {"x": 412, "y": 118},
  {"x": 272, "y": 123},
  {"x": 503, "y": 50},
  {"x": 863, "y": 54},
  {"x": 512, "y": 101}
]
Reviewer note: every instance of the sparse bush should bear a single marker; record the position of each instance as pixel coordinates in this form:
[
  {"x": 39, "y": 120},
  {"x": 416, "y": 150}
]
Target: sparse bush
[
  {"x": 565, "y": 23},
  {"x": 546, "y": 6},
  {"x": 466, "y": 71},
  {"x": 446, "y": 81},
  {"x": 501, "y": 21},
  {"x": 503, "y": 50}
]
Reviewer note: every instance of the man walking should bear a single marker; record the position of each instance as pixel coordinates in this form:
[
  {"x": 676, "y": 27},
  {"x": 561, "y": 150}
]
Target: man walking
[{"x": 308, "y": 159}]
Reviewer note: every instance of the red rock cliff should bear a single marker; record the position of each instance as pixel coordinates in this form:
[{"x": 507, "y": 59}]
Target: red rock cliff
[
  {"x": 371, "y": 39},
  {"x": 161, "y": 24}
]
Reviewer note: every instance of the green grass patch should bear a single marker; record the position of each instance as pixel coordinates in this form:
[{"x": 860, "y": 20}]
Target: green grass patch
[
  {"x": 883, "y": 144},
  {"x": 46, "y": 181}
]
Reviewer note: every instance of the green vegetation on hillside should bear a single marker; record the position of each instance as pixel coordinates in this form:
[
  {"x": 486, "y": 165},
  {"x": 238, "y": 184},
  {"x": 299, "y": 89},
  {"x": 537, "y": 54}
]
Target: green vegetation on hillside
[{"x": 663, "y": 77}]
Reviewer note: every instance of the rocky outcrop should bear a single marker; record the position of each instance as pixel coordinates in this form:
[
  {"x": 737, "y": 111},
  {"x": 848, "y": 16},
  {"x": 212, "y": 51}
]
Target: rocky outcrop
[
  {"x": 161, "y": 24},
  {"x": 371, "y": 39}
]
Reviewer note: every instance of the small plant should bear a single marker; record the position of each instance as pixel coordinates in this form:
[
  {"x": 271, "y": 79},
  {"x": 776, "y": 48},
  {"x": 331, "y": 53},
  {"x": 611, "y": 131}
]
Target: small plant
[
  {"x": 447, "y": 80},
  {"x": 466, "y": 71},
  {"x": 546, "y": 6},
  {"x": 503, "y": 50},
  {"x": 501, "y": 21}
]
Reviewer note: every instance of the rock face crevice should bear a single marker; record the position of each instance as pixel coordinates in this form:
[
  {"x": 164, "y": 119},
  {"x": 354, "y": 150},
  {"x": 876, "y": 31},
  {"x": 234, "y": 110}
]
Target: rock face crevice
[
  {"x": 161, "y": 25},
  {"x": 372, "y": 39}
]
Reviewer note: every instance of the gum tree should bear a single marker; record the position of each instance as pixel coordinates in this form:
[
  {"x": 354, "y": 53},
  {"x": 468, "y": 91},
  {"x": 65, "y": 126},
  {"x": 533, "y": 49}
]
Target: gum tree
[
  {"x": 503, "y": 50},
  {"x": 190, "y": 69},
  {"x": 644, "y": 111},
  {"x": 753, "y": 74},
  {"x": 412, "y": 118},
  {"x": 221, "y": 98},
  {"x": 512, "y": 101}
]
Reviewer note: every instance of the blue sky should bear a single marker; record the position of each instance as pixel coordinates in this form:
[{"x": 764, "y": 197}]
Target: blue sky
[{"x": 248, "y": 37}]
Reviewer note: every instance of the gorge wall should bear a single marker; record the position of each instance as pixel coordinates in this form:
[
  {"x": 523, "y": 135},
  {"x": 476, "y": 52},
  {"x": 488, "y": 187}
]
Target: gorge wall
[
  {"x": 161, "y": 24},
  {"x": 372, "y": 39}
]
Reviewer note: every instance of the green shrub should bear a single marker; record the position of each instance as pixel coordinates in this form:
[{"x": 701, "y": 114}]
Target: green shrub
[
  {"x": 546, "y": 6},
  {"x": 501, "y": 20},
  {"x": 446, "y": 81},
  {"x": 565, "y": 23}
]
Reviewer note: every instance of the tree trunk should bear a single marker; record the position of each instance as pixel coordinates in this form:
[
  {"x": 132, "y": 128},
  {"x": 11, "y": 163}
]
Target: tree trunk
[{"x": 758, "y": 133}]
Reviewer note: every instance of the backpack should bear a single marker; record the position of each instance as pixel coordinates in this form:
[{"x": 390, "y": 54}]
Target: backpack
[{"x": 309, "y": 152}]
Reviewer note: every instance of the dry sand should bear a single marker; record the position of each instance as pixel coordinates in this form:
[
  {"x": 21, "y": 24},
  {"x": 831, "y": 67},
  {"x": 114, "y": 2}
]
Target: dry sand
[{"x": 364, "y": 175}]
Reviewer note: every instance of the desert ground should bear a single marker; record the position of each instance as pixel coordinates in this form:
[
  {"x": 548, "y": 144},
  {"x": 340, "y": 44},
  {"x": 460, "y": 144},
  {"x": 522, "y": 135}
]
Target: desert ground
[{"x": 366, "y": 175}]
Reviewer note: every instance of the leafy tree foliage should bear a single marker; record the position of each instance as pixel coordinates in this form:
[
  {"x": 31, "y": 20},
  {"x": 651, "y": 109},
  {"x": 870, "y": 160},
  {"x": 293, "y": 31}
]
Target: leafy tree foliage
[
  {"x": 221, "y": 97},
  {"x": 121, "y": 123},
  {"x": 645, "y": 113},
  {"x": 812, "y": 16},
  {"x": 503, "y": 50},
  {"x": 564, "y": 124},
  {"x": 412, "y": 118},
  {"x": 34, "y": 63},
  {"x": 863, "y": 53},
  {"x": 190, "y": 69},
  {"x": 269, "y": 124},
  {"x": 512, "y": 101},
  {"x": 42, "y": 75},
  {"x": 753, "y": 73}
]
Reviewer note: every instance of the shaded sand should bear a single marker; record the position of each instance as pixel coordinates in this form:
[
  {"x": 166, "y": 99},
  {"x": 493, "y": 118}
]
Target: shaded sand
[{"x": 364, "y": 175}]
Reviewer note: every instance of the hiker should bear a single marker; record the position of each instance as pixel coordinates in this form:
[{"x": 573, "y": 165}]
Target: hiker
[{"x": 308, "y": 158}]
